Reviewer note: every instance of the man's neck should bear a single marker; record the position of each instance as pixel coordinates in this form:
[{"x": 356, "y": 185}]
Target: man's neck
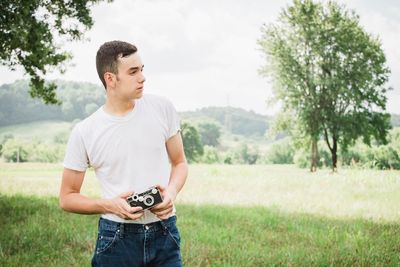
[{"x": 118, "y": 108}]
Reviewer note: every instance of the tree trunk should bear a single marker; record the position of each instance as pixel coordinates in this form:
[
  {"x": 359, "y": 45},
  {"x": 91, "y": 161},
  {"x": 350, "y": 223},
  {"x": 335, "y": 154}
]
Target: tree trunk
[
  {"x": 314, "y": 156},
  {"x": 332, "y": 148},
  {"x": 334, "y": 155}
]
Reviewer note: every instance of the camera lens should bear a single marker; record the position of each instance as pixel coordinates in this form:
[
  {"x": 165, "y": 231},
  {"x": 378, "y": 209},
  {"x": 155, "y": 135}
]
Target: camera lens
[
  {"x": 148, "y": 200},
  {"x": 135, "y": 197}
]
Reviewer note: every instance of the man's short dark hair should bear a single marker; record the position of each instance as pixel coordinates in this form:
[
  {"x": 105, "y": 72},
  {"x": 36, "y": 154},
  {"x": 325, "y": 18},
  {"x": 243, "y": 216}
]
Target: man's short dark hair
[{"x": 108, "y": 55}]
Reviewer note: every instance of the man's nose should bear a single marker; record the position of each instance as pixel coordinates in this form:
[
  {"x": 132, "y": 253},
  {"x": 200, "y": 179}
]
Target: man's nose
[{"x": 142, "y": 78}]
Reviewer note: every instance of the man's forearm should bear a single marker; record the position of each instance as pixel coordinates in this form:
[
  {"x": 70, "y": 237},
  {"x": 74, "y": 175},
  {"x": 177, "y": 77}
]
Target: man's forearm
[
  {"x": 178, "y": 177},
  {"x": 77, "y": 203}
]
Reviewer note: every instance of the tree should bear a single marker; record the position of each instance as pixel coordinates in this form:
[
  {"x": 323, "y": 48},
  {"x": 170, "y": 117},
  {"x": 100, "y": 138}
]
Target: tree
[
  {"x": 15, "y": 150},
  {"x": 246, "y": 155},
  {"x": 26, "y": 37},
  {"x": 191, "y": 141},
  {"x": 329, "y": 74},
  {"x": 210, "y": 133}
]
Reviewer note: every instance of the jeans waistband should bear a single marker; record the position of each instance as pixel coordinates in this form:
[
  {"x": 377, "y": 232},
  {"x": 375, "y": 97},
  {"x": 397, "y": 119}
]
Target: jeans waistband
[{"x": 105, "y": 224}]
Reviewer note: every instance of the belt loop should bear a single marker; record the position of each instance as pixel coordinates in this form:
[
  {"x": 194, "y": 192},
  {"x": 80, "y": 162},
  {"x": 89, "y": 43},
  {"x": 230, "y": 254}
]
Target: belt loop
[{"x": 164, "y": 227}]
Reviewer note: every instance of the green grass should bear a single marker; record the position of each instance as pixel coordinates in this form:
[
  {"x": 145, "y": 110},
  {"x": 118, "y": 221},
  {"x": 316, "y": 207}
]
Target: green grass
[
  {"x": 349, "y": 194},
  {"x": 35, "y": 232},
  {"x": 228, "y": 216}
]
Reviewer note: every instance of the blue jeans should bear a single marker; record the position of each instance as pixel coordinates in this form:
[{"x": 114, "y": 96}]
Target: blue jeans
[{"x": 134, "y": 245}]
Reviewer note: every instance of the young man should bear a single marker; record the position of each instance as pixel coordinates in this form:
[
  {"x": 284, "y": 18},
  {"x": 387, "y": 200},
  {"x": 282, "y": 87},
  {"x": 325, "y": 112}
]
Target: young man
[{"x": 133, "y": 142}]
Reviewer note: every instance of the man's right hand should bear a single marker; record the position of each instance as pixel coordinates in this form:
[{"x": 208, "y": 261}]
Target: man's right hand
[{"x": 121, "y": 208}]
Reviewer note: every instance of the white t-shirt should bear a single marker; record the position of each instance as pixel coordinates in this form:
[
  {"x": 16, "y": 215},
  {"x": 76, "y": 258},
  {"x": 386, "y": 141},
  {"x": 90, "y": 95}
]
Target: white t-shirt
[{"x": 128, "y": 153}]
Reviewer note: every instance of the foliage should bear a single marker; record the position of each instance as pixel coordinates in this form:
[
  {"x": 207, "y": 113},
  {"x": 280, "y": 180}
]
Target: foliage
[
  {"x": 375, "y": 156},
  {"x": 329, "y": 74},
  {"x": 302, "y": 157},
  {"x": 281, "y": 152},
  {"x": 378, "y": 157},
  {"x": 15, "y": 150},
  {"x": 210, "y": 133},
  {"x": 228, "y": 158},
  {"x": 20, "y": 150},
  {"x": 384, "y": 157},
  {"x": 246, "y": 155},
  {"x": 210, "y": 155},
  {"x": 191, "y": 141},
  {"x": 28, "y": 34},
  {"x": 235, "y": 120}
]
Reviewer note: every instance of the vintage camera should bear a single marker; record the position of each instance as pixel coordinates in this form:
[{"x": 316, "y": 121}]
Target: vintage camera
[{"x": 147, "y": 199}]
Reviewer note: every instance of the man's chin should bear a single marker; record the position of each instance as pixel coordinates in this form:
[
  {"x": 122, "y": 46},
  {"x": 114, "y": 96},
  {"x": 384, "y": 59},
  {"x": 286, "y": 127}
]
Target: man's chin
[{"x": 138, "y": 95}]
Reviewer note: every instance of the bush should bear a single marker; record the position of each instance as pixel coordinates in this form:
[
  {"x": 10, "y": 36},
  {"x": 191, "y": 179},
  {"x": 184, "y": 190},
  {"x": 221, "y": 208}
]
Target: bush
[
  {"x": 46, "y": 153},
  {"x": 15, "y": 150},
  {"x": 192, "y": 143},
  {"x": 384, "y": 157},
  {"x": 378, "y": 157},
  {"x": 210, "y": 155},
  {"x": 302, "y": 157},
  {"x": 246, "y": 155},
  {"x": 281, "y": 152},
  {"x": 19, "y": 150}
]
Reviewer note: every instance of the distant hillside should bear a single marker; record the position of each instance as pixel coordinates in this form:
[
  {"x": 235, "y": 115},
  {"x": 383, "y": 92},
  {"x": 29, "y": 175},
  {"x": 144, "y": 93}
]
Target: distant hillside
[
  {"x": 79, "y": 99},
  {"x": 235, "y": 120},
  {"x": 42, "y": 131}
]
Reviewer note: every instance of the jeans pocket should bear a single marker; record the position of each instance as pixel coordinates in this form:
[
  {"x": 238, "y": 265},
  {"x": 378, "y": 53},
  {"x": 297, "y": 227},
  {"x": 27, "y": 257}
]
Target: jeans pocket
[
  {"x": 173, "y": 233},
  {"x": 105, "y": 241}
]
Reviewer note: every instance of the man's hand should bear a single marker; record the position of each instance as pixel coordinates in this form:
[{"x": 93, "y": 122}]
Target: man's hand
[
  {"x": 164, "y": 209},
  {"x": 121, "y": 208}
]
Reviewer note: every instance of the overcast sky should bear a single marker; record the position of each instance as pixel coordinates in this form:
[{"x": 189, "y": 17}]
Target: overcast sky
[{"x": 205, "y": 53}]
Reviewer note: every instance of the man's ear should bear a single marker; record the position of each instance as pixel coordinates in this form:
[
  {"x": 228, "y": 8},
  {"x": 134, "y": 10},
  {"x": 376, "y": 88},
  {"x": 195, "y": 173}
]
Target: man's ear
[{"x": 110, "y": 79}]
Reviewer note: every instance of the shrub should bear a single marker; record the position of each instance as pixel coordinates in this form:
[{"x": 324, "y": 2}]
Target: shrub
[
  {"x": 210, "y": 155},
  {"x": 15, "y": 150},
  {"x": 302, "y": 157},
  {"x": 281, "y": 152}
]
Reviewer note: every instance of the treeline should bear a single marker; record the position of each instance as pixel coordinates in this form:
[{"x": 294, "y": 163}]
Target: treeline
[
  {"x": 376, "y": 156},
  {"x": 284, "y": 151},
  {"x": 78, "y": 100},
  {"x": 22, "y": 150},
  {"x": 234, "y": 120},
  {"x": 204, "y": 144}
]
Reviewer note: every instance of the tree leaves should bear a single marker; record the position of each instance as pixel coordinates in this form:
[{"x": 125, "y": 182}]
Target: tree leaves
[{"x": 27, "y": 31}]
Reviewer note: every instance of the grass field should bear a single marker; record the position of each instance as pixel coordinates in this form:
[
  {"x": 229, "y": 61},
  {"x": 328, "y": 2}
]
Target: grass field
[{"x": 228, "y": 216}]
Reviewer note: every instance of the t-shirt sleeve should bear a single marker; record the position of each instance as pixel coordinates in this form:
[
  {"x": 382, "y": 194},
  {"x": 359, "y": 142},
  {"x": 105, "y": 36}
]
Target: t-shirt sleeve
[
  {"x": 173, "y": 120},
  {"x": 75, "y": 154}
]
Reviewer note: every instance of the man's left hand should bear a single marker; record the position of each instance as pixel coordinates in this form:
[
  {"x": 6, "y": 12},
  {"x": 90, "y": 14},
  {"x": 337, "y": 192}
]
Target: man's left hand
[{"x": 164, "y": 209}]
